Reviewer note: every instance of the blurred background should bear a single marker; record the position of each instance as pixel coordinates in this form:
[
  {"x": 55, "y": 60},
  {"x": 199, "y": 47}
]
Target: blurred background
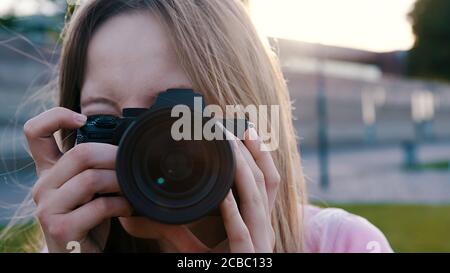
[{"x": 370, "y": 84}]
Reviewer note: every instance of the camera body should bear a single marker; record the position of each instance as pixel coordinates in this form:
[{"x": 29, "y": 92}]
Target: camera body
[
  {"x": 110, "y": 129},
  {"x": 167, "y": 180}
]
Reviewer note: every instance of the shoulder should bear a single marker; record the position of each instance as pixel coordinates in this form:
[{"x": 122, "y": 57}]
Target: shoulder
[{"x": 336, "y": 230}]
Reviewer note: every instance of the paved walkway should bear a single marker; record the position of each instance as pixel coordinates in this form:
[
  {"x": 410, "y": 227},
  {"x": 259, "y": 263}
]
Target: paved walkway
[{"x": 376, "y": 175}]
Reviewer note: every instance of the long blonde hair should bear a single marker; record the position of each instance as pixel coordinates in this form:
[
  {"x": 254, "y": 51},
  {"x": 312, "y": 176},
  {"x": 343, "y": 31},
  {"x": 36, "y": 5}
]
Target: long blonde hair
[{"x": 222, "y": 53}]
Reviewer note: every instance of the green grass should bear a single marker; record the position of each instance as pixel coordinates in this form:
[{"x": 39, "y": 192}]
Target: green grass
[
  {"x": 409, "y": 228},
  {"x": 20, "y": 238},
  {"x": 433, "y": 166},
  {"x": 438, "y": 165}
]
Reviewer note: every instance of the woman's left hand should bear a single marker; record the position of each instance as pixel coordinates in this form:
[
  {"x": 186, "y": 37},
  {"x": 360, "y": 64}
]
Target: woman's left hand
[{"x": 249, "y": 226}]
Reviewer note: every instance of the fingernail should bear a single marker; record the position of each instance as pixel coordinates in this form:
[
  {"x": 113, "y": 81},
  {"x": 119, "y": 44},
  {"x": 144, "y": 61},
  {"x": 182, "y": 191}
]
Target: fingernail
[
  {"x": 79, "y": 118},
  {"x": 229, "y": 196},
  {"x": 253, "y": 135}
]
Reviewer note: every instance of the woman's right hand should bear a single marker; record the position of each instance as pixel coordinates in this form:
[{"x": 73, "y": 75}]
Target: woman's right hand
[{"x": 67, "y": 183}]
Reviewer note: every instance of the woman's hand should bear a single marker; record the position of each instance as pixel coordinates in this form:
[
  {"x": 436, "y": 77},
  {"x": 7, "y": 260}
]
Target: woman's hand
[
  {"x": 67, "y": 184},
  {"x": 249, "y": 227}
]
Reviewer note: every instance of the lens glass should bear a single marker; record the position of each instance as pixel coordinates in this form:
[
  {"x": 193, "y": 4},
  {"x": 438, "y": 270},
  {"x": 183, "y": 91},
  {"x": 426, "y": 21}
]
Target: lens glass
[{"x": 173, "y": 168}]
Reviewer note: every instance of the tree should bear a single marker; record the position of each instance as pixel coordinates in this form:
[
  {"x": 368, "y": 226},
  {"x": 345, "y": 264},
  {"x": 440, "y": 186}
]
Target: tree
[{"x": 430, "y": 55}]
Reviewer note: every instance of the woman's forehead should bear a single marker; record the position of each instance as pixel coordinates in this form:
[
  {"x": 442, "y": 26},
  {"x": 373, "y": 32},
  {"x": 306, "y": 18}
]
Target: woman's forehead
[{"x": 130, "y": 52}]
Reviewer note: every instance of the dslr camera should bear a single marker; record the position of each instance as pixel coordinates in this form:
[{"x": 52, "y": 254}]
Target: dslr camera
[{"x": 167, "y": 180}]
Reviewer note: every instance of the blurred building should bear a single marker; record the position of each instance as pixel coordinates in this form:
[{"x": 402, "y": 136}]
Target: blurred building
[
  {"x": 392, "y": 63},
  {"x": 368, "y": 98}
]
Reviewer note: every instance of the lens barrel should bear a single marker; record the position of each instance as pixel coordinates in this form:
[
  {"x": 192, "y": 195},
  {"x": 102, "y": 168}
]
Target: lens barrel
[{"x": 171, "y": 181}]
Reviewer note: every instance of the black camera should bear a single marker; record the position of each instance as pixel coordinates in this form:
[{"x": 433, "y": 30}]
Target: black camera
[{"x": 167, "y": 180}]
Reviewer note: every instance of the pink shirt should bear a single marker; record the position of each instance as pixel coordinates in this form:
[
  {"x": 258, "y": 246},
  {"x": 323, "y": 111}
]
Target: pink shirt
[{"x": 332, "y": 230}]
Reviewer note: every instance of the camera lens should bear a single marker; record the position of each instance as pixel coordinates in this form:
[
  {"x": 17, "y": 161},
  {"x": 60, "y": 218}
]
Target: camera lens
[
  {"x": 172, "y": 181},
  {"x": 174, "y": 168}
]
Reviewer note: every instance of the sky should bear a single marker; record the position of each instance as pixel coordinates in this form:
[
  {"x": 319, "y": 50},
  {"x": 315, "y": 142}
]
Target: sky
[
  {"x": 375, "y": 25},
  {"x": 27, "y": 7}
]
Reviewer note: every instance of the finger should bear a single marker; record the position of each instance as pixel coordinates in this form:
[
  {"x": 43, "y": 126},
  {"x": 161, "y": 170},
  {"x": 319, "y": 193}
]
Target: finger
[
  {"x": 265, "y": 163},
  {"x": 39, "y": 133},
  {"x": 81, "y": 157},
  {"x": 82, "y": 188},
  {"x": 92, "y": 214},
  {"x": 239, "y": 237},
  {"x": 257, "y": 174},
  {"x": 251, "y": 201}
]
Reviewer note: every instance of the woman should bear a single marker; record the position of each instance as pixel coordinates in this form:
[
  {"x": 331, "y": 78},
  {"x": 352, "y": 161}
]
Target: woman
[{"x": 122, "y": 53}]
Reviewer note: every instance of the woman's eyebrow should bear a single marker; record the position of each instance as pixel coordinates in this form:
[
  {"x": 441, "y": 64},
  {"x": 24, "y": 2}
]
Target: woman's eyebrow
[{"x": 99, "y": 100}]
